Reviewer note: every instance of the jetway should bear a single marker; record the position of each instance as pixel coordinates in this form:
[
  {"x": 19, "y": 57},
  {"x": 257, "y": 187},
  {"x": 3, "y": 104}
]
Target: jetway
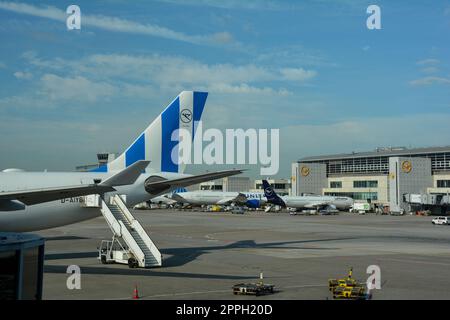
[
  {"x": 132, "y": 239},
  {"x": 437, "y": 204},
  {"x": 427, "y": 199}
]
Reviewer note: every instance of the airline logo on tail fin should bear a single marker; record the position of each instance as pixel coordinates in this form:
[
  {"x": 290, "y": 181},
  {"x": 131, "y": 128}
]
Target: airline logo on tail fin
[
  {"x": 179, "y": 190},
  {"x": 271, "y": 195},
  {"x": 157, "y": 143}
]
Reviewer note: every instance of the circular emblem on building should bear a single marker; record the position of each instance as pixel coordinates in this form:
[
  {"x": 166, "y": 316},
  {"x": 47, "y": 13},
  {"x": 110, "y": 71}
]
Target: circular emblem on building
[
  {"x": 304, "y": 170},
  {"x": 406, "y": 166},
  {"x": 186, "y": 115}
]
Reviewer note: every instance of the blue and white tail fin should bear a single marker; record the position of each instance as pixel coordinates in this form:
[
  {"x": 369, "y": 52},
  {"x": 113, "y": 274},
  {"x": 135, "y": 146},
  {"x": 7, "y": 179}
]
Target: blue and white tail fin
[
  {"x": 179, "y": 190},
  {"x": 156, "y": 143},
  {"x": 271, "y": 195}
]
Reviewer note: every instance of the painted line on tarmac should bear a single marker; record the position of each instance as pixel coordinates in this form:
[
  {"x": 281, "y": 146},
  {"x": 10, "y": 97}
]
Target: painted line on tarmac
[
  {"x": 216, "y": 291},
  {"x": 176, "y": 294}
]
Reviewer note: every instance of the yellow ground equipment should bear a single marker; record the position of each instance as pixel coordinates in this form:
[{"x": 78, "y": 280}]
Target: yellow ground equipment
[
  {"x": 215, "y": 208},
  {"x": 348, "y": 288}
]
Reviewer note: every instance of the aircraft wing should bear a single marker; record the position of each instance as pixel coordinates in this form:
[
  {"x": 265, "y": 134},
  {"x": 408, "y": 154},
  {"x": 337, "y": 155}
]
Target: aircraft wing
[
  {"x": 157, "y": 187},
  {"x": 126, "y": 176},
  {"x": 240, "y": 198},
  {"x": 176, "y": 197},
  {"x": 34, "y": 196},
  {"x": 317, "y": 205}
]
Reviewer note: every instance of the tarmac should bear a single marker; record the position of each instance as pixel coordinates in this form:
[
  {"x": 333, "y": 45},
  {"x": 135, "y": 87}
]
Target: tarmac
[{"x": 205, "y": 254}]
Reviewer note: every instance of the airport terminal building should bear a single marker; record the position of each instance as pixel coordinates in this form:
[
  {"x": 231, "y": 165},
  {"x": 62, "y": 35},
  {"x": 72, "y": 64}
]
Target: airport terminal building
[{"x": 382, "y": 176}]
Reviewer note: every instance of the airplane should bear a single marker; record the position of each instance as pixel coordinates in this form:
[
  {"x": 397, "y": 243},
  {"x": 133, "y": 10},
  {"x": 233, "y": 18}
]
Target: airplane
[
  {"x": 201, "y": 197},
  {"x": 167, "y": 198},
  {"x": 163, "y": 199},
  {"x": 306, "y": 202},
  {"x": 31, "y": 201}
]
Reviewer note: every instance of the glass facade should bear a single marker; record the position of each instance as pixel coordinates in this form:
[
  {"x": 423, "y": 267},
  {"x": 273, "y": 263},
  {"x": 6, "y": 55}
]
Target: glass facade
[
  {"x": 355, "y": 195},
  {"x": 211, "y": 187},
  {"x": 359, "y": 165},
  {"x": 443, "y": 183},
  {"x": 440, "y": 161},
  {"x": 335, "y": 184},
  {"x": 365, "y": 184}
]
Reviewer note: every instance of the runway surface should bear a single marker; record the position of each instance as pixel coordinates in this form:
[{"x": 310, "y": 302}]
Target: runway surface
[{"x": 205, "y": 254}]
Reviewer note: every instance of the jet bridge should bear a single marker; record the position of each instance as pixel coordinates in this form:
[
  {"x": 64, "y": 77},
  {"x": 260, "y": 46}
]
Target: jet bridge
[
  {"x": 438, "y": 204},
  {"x": 132, "y": 239}
]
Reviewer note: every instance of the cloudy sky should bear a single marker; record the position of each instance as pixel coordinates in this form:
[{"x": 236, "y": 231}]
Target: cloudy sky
[{"x": 310, "y": 68}]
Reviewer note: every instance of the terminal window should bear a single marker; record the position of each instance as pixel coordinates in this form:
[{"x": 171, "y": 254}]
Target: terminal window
[
  {"x": 443, "y": 183},
  {"x": 365, "y": 184},
  {"x": 355, "y": 195},
  {"x": 213, "y": 187},
  {"x": 336, "y": 184}
]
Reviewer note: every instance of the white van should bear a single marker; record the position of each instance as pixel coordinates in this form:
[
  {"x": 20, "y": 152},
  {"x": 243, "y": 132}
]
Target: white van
[{"x": 441, "y": 220}]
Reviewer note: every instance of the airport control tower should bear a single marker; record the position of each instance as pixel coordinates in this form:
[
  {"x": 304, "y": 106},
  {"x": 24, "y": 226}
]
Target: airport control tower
[{"x": 103, "y": 158}]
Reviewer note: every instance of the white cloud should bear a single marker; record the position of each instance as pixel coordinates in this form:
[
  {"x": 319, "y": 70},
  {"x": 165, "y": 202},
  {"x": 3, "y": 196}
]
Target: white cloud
[
  {"x": 360, "y": 134},
  {"x": 426, "y": 81},
  {"x": 447, "y": 11},
  {"x": 137, "y": 73},
  {"x": 297, "y": 74},
  {"x": 171, "y": 70},
  {"x": 428, "y": 62},
  {"x": 245, "y": 89},
  {"x": 23, "y": 101},
  {"x": 238, "y": 4},
  {"x": 76, "y": 89},
  {"x": 23, "y": 75},
  {"x": 292, "y": 55},
  {"x": 117, "y": 24},
  {"x": 429, "y": 70}
]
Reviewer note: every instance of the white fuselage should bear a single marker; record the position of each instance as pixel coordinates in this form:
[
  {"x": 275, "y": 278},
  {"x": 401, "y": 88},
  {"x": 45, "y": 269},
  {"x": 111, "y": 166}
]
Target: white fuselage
[
  {"x": 218, "y": 197},
  {"x": 65, "y": 211},
  {"x": 300, "y": 202}
]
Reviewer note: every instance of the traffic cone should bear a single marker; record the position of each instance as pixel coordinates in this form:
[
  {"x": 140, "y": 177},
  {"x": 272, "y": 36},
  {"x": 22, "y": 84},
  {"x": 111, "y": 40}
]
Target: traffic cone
[{"x": 135, "y": 292}]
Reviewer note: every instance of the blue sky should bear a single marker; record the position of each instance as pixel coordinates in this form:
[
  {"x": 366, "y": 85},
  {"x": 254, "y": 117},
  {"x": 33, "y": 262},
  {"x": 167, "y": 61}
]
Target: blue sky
[{"x": 310, "y": 68}]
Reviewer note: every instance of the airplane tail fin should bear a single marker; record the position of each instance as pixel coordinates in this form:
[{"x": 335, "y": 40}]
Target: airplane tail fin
[
  {"x": 156, "y": 144},
  {"x": 271, "y": 195},
  {"x": 179, "y": 190}
]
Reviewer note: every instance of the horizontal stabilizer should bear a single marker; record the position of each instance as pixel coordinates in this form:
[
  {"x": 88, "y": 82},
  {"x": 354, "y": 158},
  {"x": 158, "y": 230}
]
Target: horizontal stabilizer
[
  {"x": 126, "y": 176},
  {"x": 157, "y": 187}
]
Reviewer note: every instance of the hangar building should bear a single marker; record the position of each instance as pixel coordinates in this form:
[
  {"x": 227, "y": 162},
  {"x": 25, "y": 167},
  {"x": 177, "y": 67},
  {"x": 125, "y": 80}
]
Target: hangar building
[{"x": 382, "y": 176}]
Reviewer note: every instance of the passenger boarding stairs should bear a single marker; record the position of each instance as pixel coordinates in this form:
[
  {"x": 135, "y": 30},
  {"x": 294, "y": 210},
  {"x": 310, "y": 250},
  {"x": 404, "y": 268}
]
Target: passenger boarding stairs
[{"x": 125, "y": 227}]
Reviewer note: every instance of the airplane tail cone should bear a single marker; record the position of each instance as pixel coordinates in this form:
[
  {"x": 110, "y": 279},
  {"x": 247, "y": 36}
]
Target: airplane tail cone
[{"x": 135, "y": 293}]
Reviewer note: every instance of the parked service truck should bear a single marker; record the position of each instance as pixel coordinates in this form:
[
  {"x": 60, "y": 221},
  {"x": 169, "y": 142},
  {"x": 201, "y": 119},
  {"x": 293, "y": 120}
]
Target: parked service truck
[{"x": 361, "y": 207}]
